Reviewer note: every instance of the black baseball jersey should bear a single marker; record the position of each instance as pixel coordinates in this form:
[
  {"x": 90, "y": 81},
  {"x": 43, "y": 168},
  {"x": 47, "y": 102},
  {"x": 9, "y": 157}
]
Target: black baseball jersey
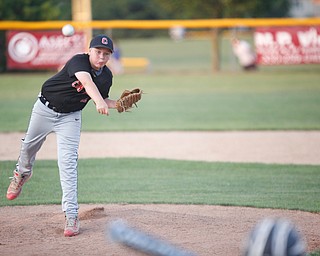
[{"x": 65, "y": 92}]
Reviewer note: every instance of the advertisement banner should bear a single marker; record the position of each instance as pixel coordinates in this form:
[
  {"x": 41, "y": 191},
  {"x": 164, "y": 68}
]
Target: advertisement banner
[
  {"x": 33, "y": 50},
  {"x": 287, "y": 46}
]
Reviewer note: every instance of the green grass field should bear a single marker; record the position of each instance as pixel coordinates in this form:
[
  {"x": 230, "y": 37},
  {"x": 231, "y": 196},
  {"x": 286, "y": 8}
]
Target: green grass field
[
  {"x": 225, "y": 101},
  {"x": 181, "y": 93},
  {"x": 148, "y": 181}
]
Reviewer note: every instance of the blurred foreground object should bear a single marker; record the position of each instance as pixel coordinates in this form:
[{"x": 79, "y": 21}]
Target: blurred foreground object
[
  {"x": 274, "y": 237},
  {"x": 119, "y": 231}
]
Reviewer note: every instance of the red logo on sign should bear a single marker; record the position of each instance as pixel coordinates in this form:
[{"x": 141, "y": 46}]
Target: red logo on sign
[{"x": 42, "y": 49}]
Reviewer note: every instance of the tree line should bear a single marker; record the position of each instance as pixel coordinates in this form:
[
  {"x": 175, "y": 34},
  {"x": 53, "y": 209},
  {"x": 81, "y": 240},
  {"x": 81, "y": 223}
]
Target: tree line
[{"x": 36, "y": 10}]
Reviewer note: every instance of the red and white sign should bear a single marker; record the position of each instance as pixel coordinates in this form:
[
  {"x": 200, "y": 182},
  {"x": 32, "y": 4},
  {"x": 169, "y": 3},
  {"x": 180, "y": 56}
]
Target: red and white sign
[
  {"x": 286, "y": 46},
  {"x": 42, "y": 49}
]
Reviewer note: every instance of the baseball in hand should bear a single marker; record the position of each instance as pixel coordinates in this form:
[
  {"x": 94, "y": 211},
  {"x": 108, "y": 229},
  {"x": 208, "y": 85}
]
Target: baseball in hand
[{"x": 68, "y": 30}]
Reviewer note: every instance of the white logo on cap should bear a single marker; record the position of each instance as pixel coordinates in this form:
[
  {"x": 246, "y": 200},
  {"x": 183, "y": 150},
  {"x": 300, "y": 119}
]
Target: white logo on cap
[{"x": 104, "y": 40}]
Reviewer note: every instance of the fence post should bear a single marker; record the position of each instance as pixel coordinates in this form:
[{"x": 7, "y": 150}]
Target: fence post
[
  {"x": 81, "y": 11},
  {"x": 215, "y": 50}
]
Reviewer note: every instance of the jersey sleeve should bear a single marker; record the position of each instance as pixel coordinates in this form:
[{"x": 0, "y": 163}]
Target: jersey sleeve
[{"x": 78, "y": 63}]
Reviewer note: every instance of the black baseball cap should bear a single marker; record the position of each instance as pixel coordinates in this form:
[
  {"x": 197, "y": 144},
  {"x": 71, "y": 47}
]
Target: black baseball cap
[{"x": 102, "y": 41}]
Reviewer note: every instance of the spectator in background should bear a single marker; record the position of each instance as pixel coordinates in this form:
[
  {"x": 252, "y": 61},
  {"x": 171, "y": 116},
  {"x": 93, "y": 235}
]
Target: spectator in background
[
  {"x": 115, "y": 63},
  {"x": 177, "y": 33},
  {"x": 244, "y": 53}
]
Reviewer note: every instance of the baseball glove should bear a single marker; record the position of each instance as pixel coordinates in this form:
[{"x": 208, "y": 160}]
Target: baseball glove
[{"x": 127, "y": 99}]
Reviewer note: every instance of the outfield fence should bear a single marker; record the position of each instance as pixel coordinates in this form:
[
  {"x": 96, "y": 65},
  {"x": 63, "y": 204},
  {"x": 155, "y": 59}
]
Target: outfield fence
[
  {"x": 210, "y": 27},
  {"x": 159, "y": 24}
]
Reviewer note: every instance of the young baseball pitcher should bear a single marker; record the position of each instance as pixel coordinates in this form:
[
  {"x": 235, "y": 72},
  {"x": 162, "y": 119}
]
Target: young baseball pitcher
[{"x": 58, "y": 109}]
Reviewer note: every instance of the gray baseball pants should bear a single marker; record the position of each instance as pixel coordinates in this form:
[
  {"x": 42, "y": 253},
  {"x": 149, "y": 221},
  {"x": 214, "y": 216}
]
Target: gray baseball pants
[{"x": 67, "y": 127}]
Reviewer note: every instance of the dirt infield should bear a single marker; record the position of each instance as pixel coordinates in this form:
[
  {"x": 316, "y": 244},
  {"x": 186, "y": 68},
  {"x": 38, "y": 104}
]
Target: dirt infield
[
  {"x": 295, "y": 147},
  {"x": 205, "y": 230}
]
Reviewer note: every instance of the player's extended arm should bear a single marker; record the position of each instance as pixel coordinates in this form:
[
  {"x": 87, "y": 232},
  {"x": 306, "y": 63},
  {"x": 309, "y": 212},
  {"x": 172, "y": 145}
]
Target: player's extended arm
[
  {"x": 93, "y": 92},
  {"x": 111, "y": 103}
]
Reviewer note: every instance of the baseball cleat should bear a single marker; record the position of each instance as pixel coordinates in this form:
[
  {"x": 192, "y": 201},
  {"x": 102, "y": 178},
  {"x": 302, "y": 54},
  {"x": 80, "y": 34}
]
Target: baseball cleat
[
  {"x": 72, "y": 226},
  {"x": 16, "y": 184}
]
